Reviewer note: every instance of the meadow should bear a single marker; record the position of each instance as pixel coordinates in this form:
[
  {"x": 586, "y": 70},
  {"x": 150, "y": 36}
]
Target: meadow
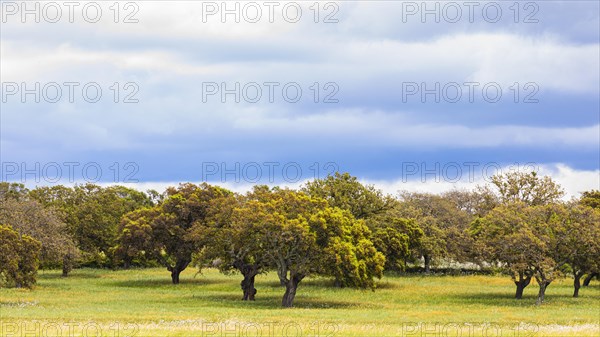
[{"x": 143, "y": 302}]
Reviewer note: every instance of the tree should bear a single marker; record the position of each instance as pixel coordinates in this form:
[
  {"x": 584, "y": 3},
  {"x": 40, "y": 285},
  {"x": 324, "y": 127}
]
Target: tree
[
  {"x": 13, "y": 191},
  {"x": 346, "y": 192},
  {"x": 303, "y": 236},
  {"x": 164, "y": 231},
  {"x": 350, "y": 255},
  {"x": 526, "y": 187},
  {"x": 31, "y": 218},
  {"x": 503, "y": 239},
  {"x": 526, "y": 240},
  {"x": 476, "y": 203},
  {"x": 520, "y": 196},
  {"x": 590, "y": 199},
  {"x": 443, "y": 223},
  {"x": 18, "y": 258},
  {"x": 394, "y": 236},
  {"x": 580, "y": 242},
  {"x": 549, "y": 223},
  {"x": 92, "y": 214},
  {"x": 397, "y": 238},
  {"x": 234, "y": 236},
  {"x": 134, "y": 242}
]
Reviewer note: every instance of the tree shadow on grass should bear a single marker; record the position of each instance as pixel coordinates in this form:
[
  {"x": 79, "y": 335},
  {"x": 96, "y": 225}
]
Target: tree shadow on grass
[
  {"x": 166, "y": 282},
  {"x": 319, "y": 283},
  {"x": 51, "y": 275},
  {"x": 312, "y": 283},
  {"x": 229, "y": 300},
  {"x": 387, "y": 285}
]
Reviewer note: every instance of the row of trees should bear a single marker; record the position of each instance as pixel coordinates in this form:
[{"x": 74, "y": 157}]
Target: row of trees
[
  {"x": 335, "y": 227},
  {"x": 286, "y": 231},
  {"x": 78, "y": 224}
]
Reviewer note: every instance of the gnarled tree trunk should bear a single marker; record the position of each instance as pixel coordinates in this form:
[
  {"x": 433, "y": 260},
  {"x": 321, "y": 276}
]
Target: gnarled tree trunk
[
  {"x": 249, "y": 271},
  {"x": 180, "y": 266},
  {"x": 576, "y": 283},
  {"x": 67, "y": 265},
  {"x": 521, "y": 284},
  {"x": 291, "y": 286},
  {"x": 588, "y": 279},
  {"x": 248, "y": 288},
  {"x": 542, "y": 292},
  {"x": 427, "y": 259}
]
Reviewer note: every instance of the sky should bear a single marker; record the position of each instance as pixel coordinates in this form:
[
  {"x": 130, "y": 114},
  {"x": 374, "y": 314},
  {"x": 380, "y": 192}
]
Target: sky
[{"x": 424, "y": 95}]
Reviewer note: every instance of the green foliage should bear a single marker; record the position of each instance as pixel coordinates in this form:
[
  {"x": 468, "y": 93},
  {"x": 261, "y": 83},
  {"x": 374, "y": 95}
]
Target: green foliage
[
  {"x": 334, "y": 227},
  {"x": 348, "y": 253},
  {"x": 18, "y": 258},
  {"x": 444, "y": 225},
  {"x": 31, "y": 218},
  {"x": 295, "y": 234},
  {"x": 345, "y": 191},
  {"x": 232, "y": 228},
  {"x": 590, "y": 199},
  {"x": 528, "y": 188},
  {"x": 92, "y": 214},
  {"x": 525, "y": 239},
  {"x": 14, "y": 191},
  {"x": 396, "y": 238},
  {"x": 389, "y": 231},
  {"x": 169, "y": 232},
  {"x": 134, "y": 240},
  {"x": 579, "y": 239}
]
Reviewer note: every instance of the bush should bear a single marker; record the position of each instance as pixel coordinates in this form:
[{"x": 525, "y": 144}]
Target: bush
[{"x": 19, "y": 258}]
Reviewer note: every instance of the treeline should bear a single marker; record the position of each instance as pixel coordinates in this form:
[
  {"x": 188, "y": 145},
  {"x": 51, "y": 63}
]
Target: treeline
[{"x": 334, "y": 227}]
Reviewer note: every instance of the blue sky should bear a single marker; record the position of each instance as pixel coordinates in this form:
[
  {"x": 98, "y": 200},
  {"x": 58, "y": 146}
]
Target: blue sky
[{"x": 369, "y": 61}]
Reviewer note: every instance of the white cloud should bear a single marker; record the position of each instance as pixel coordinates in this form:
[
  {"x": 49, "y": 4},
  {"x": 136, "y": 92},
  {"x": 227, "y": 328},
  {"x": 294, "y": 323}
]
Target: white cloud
[
  {"x": 170, "y": 52},
  {"x": 22, "y": 62},
  {"x": 572, "y": 181},
  {"x": 493, "y": 56}
]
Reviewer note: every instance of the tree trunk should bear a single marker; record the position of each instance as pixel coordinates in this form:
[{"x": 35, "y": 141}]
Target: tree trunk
[
  {"x": 67, "y": 265},
  {"x": 427, "y": 263},
  {"x": 249, "y": 271},
  {"x": 290, "y": 290},
  {"x": 588, "y": 279},
  {"x": 542, "y": 292},
  {"x": 180, "y": 266},
  {"x": 576, "y": 283},
  {"x": 248, "y": 288},
  {"x": 521, "y": 284},
  {"x": 175, "y": 275},
  {"x": 520, "y": 288}
]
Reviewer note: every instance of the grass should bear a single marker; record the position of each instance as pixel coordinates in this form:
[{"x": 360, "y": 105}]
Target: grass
[{"x": 145, "y": 303}]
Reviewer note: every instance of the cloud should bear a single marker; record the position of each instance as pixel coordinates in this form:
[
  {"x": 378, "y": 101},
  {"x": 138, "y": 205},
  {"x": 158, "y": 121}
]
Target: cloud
[
  {"x": 573, "y": 181},
  {"x": 368, "y": 54},
  {"x": 394, "y": 130}
]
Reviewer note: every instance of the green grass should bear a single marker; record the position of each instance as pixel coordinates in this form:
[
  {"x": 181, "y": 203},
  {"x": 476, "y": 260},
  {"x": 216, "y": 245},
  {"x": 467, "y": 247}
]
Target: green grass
[{"x": 147, "y": 300}]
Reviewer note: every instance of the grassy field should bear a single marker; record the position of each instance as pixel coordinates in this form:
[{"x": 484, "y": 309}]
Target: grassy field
[{"x": 144, "y": 303}]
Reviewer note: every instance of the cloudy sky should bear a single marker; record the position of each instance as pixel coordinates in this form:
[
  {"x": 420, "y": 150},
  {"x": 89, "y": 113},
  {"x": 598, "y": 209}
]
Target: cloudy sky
[{"x": 400, "y": 94}]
